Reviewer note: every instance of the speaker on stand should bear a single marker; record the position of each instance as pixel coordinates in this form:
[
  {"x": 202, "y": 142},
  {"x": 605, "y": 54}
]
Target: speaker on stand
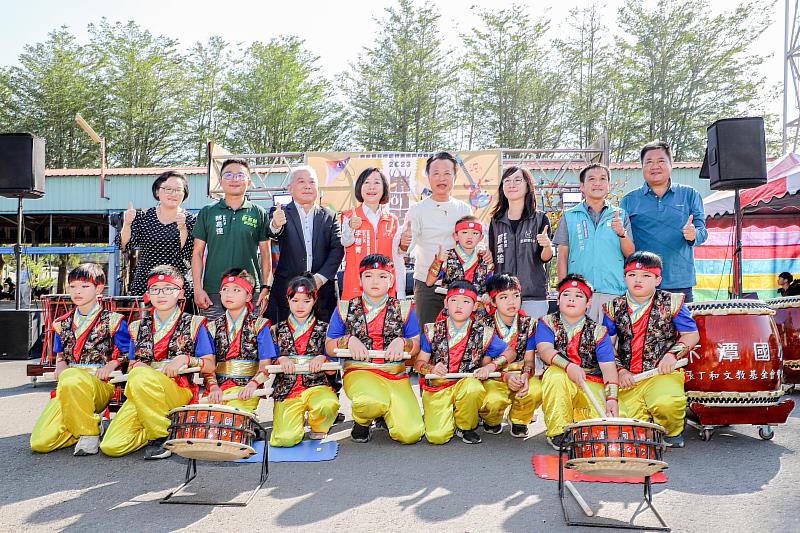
[{"x": 736, "y": 158}]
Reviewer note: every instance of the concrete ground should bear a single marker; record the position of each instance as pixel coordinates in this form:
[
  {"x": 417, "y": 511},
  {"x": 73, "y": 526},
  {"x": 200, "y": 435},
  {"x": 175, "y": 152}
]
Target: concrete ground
[{"x": 735, "y": 482}]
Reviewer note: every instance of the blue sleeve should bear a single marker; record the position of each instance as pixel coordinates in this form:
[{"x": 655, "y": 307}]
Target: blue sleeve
[
  {"x": 58, "y": 347},
  {"x": 266, "y": 347},
  {"x": 531, "y": 344},
  {"x": 544, "y": 334},
  {"x": 424, "y": 344},
  {"x": 336, "y": 327},
  {"x": 411, "y": 327},
  {"x": 132, "y": 352},
  {"x": 203, "y": 344},
  {"x": 624, "y": 204},
  {"x": 683, "y": 320},
  {"x": 610, "y": 325},
  {"x": 496, "y": 347},
  {"x": 122, "y": 337},
  {"x": 604, "y": 350},
  {"x": 698, "y": 219}
]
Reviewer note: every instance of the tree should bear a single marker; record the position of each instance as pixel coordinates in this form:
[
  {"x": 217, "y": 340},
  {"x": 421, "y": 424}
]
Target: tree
[
  {"x": 206, "y": 63},
  {"x": 144, "y": 78},
  {"x": 5, "y": 99},
  {"x": 277, "y": 101},
  {"x": 400, "y": 90}
]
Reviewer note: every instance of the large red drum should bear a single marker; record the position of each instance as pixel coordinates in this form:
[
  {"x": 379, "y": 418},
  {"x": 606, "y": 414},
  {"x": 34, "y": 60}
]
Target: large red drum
[
  {"x": 211, "y": 432},
  {"x": 787, "y": 320},
  {"x": 738, "y": 358}
]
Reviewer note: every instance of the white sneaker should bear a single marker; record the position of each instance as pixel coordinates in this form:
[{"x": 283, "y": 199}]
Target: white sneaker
[{"x": 87, "y": 445}]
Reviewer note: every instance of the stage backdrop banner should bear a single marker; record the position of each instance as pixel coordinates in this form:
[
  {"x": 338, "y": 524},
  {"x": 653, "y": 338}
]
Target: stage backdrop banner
[{"x": 476, "y": 181}]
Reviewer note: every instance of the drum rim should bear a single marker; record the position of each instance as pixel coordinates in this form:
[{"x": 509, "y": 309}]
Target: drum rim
[
  {"x": 571, "y": 463},
  {"x": 615, "y": 421},
  {"x": 213, "y": 407},
  {"x": 179, "y": 446},
  {"x": 215, "y": 442}
]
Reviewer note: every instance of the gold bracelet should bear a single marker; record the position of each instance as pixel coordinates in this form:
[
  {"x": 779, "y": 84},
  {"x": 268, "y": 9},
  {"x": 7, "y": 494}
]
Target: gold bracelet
[
  {"x": 560, "y": 361},
  {"x": 259, "y": 378},
  {"x": 611, "y": 390},
  {"x": 500, "y": 361},
  {"x": 679, "y": 350},
  {"x": 343, "y": 341},
  {"x": 408, "y": 344},
  {"x": 425, "y": 368}
]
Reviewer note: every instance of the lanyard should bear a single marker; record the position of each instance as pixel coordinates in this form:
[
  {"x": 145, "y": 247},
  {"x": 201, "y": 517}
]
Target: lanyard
[{"x": 161, "y": 325}]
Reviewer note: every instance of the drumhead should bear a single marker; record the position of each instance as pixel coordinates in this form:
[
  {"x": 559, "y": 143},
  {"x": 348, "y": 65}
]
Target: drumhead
[
  {"x": 615, "y": 422},
  {"x": 214, "y": 408},
  {"x": 209, "y": 449},
  {"x": 709, "y": 307},
  {"x": 616, "y": 466},
  {"x": 784, "y": 302}
]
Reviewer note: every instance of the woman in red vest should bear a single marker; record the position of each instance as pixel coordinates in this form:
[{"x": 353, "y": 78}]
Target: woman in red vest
[{"x": 371, "y": 229}]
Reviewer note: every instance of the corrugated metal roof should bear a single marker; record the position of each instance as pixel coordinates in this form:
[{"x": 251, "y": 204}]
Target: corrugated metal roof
[{"x": 147, "y": 171}]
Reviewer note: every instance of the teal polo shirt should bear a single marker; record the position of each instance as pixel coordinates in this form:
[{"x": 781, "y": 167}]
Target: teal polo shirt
[{"x": 232, "y": 238}]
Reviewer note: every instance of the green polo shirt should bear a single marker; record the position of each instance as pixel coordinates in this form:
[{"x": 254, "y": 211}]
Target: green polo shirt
[{"x": 232, "y": 238}]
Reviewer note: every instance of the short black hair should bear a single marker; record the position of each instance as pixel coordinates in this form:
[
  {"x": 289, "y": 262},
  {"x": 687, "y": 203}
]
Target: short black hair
[
  {"x": 304, "y": 280},
  {"x": 503, "y": 282},
  {"x": 441, "y": 156},
  {"x": 647, "y": 259},
  {"x": 165, "y": 270},
  {"x": 374, "y": 258},
  {"x": 241, "y": 273},
  {"x": 367, "y": 172},
  {"x": 91, "y": 272},
  {"x": 234, "y": 161},
  {"x": 787, "y": 276},
  {"x": 574, "y": 277},
  {"x": 164, "y": 176},
  {"x": 587, "y": 168},
  {"x": 461, "y": 284},
  {"x": 656, "y": 145}
]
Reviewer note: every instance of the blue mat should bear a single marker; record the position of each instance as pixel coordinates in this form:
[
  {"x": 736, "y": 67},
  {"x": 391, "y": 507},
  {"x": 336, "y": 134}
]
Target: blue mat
[{"x": 305, "y": 451}]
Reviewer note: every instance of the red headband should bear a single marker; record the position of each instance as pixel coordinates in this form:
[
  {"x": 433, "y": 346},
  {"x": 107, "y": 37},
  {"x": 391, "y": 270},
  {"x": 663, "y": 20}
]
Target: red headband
[
  {"x": 495, "y": 292},
  {"x": 236, "y": 280},
  {"x": 84, "y": 279},
  {"x": 158, "y": 278},
  {"x": 462, "y": 292},
  {"x": 377, "y": 265},
  {"x": 640, "y": 266},
  {"x": 575, "y": 284},
  {"x": 469, "y": 224},
  {"x": 301, "y": 289}
]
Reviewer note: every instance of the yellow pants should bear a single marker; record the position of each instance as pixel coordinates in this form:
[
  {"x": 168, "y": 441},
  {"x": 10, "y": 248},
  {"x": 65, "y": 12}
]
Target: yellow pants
[
  {"x": 563, "y": 402},
  {"x": 660, "y": 399},
  {"x": 499, "y": 397},
  {"x": 245, "y": 405},
  {"x": 375, "y": 396},
  {"x": 143, "y": 416},
  {"x": 322, "y": 406},
  {"x": 455, "y": 406},
  {"x": 73, "y": 412}
]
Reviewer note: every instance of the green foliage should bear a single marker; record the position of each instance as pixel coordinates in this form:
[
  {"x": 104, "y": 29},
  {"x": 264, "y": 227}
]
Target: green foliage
[{"x": 207, "y": 64}]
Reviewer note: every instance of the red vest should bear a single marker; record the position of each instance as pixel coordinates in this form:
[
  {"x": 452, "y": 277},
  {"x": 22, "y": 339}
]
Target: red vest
[{"x": 366, "y": 243}]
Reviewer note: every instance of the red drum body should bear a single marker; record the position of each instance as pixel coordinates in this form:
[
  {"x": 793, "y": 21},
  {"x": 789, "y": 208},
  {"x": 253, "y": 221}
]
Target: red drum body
[
  {"x": 211, "y": 432},
  {"x": 738, "y": 358},
  {"x": 615, "y": 447},
  {"x": 787, "y": 320},
  {"x": 131, "y": 307}
]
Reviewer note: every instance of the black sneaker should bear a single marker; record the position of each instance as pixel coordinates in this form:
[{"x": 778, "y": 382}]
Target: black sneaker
[
  {"x": 557, "y": 441},
  {"x": 380, "y": 423},
  {"x": 360, "y": 433},
  {"x": 339, "y": 418},
  {"x": 155, "y": 450},
  {"x": 674, "y": 442},
  {"x": 470, "y": 436},
  {"x": 519, "y": 430},
  {"x": 494, "y": 430}
]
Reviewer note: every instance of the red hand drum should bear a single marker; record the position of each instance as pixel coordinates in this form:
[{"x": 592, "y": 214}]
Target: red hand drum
[
  {"x": 211, "y": 432},
  {"x": 787, "y": 320}
]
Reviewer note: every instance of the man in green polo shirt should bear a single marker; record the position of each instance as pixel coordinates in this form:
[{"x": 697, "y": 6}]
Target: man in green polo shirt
[{"x": 234, "y": 229}]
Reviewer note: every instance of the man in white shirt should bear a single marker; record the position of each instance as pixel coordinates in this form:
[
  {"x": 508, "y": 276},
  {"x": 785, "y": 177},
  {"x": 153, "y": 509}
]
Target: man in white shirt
[{"x": 429, "y": 225}]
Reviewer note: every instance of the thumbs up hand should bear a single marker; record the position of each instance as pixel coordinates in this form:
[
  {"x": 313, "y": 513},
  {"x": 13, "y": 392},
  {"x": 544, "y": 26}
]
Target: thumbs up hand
[
  {"x": 405, "y": 237},
  {"x": 617, "y": 226},
  {"x": 129, "y": 215},
  {"x": 542, "y": 238},
  {"x": 441, "y": 255},
  {"x": 355, "y": 221},
  {"x": 278, "y": 216},
  {"x": 180, "y": 218},
  {"x": 689, "y": 231}
]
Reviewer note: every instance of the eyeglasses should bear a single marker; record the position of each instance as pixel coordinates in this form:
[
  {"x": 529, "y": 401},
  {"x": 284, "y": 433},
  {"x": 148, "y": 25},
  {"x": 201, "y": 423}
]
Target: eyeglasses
[
  {"x": 170, "y": 190},
  {"x": 230, "y": 176},
  {"x": 168, "y": 291},
  {"x": 514, "y": 181}
]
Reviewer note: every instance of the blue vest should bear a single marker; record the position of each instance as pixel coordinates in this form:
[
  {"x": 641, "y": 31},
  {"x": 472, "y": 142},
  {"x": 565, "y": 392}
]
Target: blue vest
[{"x": 595, "y": 252}]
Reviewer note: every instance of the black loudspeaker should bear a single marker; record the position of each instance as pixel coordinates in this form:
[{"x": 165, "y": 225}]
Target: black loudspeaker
[
  {"x": 21, "y": 165},
  {"x": 736, "y": 157},
  {"x": 21, "y": 329}
]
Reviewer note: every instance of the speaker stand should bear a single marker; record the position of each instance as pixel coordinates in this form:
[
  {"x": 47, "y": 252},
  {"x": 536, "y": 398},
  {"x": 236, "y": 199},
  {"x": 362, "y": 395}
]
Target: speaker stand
[
  {"x": 18, "y": 255},
  {"x": 737, "y": 250}
]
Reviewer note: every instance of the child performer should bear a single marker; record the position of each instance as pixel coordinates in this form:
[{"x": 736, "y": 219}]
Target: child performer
[
  {"x": 464, "y": 261},
  {"x": 301, "y": 339},
  {"x": 577, "y": 350},
  {"x": 523, "y": 392},
  {"x": 378, "y": 388},
  {"x": 241, "y": 341},
  {"x": 651, "y": 329},
  {"x": 162, "y": 344},
  {"x": 89, "y": 338},
  {"x": 457, "y": 344}
]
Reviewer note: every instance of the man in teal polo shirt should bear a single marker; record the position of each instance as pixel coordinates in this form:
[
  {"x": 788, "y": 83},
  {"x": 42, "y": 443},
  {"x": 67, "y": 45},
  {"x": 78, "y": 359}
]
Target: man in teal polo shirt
[
  {"x": 594, "y": 238},
  {"x": 234, "y": 229}
]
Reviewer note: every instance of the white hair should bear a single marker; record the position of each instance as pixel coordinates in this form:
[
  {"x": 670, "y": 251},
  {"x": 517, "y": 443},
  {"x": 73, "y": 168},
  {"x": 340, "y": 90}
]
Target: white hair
[{"x": 301, "y": 168}]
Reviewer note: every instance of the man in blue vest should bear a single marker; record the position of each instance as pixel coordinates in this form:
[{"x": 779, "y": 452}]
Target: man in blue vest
[{"x": 594, "y": 238}]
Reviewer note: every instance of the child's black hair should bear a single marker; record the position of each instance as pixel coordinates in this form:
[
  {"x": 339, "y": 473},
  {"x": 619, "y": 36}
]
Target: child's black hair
[
  {"x": 647, "y": 259},
  {"x": 91, "y": 272}
]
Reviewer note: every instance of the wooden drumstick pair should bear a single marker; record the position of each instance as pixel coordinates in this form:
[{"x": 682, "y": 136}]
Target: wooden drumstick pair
[
  {"x": 235, "y": 395},
  {"x": 119, "y": 377},
  {"x": 278, "y": 369},
  {"x": 372, "y": 354}
]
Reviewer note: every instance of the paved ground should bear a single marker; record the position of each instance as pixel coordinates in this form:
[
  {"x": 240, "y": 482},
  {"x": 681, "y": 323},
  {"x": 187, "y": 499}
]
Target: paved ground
[{"x": 735, "y": 482}]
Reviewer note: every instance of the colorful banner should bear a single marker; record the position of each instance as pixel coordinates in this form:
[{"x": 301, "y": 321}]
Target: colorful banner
[{"x": 476, "y": 183}]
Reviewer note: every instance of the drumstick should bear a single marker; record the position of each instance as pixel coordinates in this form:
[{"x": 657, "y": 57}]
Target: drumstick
[
  {"x": 372, "y": 354},
  {"x": 235, "y": 395},
  {"x": 595, "y": 403},
  {"x": 278, "y": 369},
  {"x": 122, "y": 378},
  {"x": 650, "y": 373},
  {"x": 459, "y": 375},
  {"x": 578, "y": 498}
]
